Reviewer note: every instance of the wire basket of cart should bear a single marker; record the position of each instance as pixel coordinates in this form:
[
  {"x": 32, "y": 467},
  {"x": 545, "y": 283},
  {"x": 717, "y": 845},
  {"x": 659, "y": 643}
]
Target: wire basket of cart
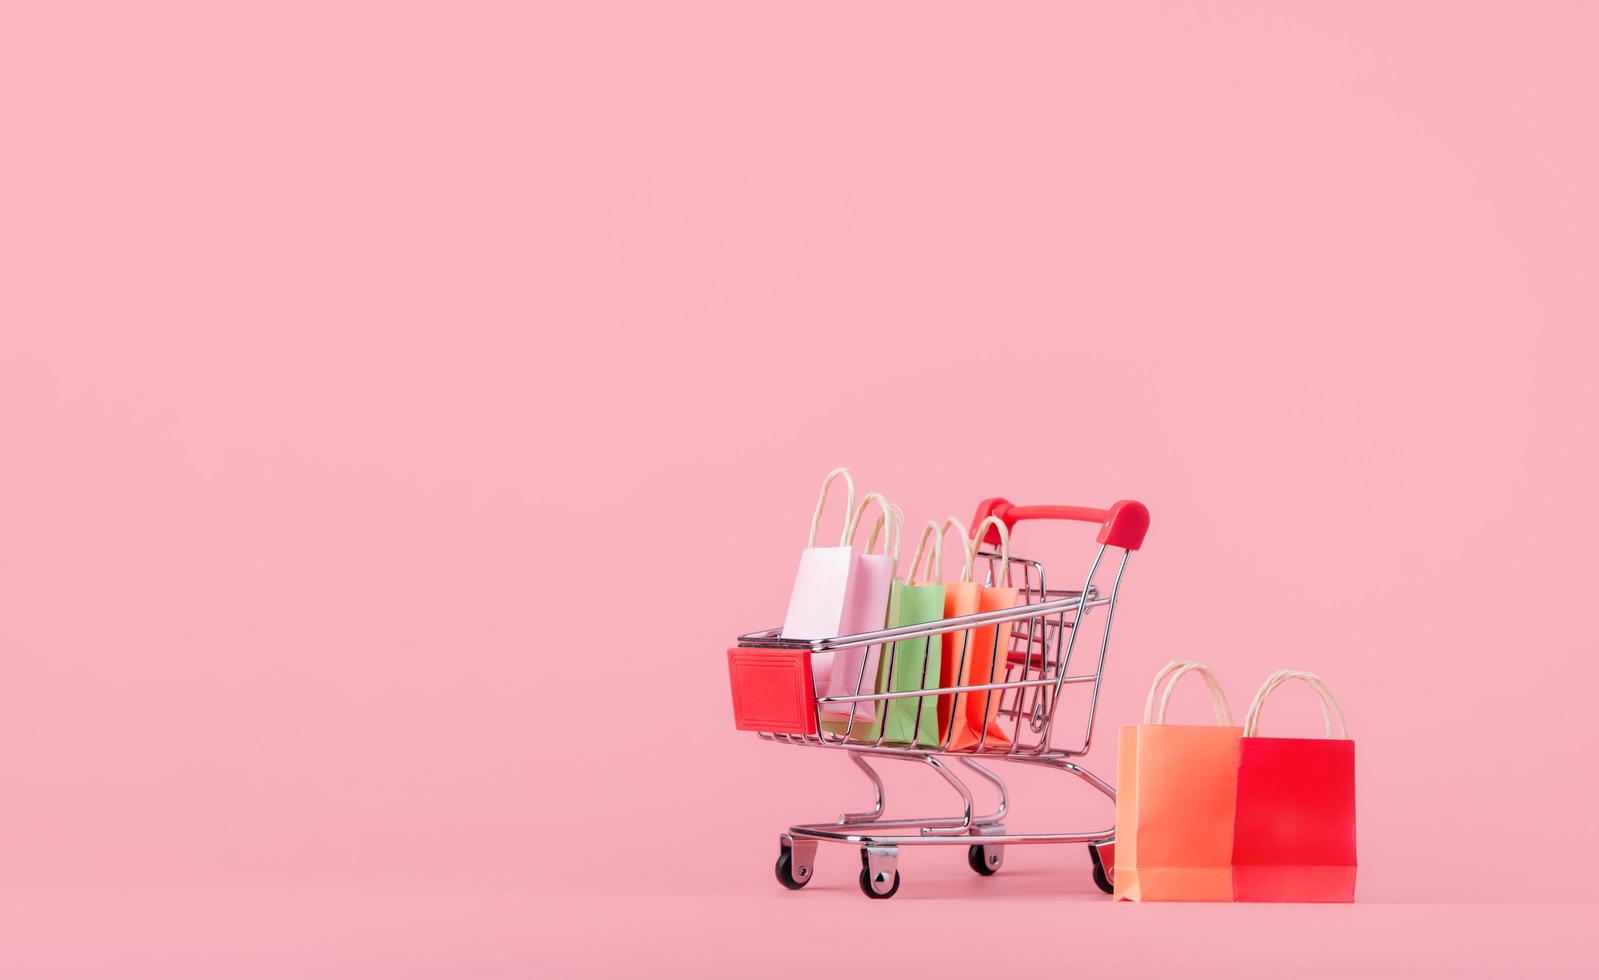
[{"x": 1033, "y": 655}]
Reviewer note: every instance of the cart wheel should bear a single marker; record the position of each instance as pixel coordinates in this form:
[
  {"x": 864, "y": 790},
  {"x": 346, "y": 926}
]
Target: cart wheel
[
  {"x": 1099, "y": 879},
  {"x": 984, "y": 860},
  {"x": 785, "y": 871},
  {"x": 1099, "y": 872},
  {"x": 866, "y": 885}
]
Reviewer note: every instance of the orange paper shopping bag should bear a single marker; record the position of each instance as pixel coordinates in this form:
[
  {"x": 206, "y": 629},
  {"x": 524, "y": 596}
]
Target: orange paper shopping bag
[
  {"x": 975, "y": 716},
  {"x": 960, "y": 599},
  {"x": 1176, "y": 791}
]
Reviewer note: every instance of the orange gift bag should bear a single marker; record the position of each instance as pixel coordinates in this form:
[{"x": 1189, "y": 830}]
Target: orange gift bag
[
  {"x": 960, "y": 599},
  {"x": 1176, "y": 794},
  {"x": 973, "y": 719}
]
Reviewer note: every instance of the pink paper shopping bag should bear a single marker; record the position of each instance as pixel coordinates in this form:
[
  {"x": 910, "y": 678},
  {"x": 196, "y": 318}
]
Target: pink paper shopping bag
[{"x": 854, "y": 669}]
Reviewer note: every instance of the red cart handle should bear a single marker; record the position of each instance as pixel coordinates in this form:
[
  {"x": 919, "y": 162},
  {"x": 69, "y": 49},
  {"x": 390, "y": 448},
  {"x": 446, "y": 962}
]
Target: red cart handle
[{"x": 1122, "y": 525}]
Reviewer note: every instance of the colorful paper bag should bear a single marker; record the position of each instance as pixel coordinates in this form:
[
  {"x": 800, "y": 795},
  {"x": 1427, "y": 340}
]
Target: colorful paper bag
[
  {"x": 821, "y": 584},
  {"x": 990, "y": 649},
  {"x": 1176, "y": 792},
  {"x": 1294, "y": 834},
  {"x": 912, "y": 665},
  {"x": 854, "y": 670},
  {"x": 955, "y": 649}
]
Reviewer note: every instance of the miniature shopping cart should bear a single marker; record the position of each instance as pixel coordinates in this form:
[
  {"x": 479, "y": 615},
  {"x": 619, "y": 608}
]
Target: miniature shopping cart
[{"x": 1037, "y": 661}]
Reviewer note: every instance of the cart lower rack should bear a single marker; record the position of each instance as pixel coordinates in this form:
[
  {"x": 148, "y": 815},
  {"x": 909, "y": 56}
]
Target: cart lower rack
[{"x": 1032, "y": 651}]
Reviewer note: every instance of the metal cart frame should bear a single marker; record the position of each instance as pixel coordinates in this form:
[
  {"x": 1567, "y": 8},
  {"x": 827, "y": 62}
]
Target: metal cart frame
[{"x": 1044, "y": 633}]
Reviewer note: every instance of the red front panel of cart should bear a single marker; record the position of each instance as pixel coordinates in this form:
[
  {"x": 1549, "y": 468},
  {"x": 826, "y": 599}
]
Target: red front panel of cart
[{"x": 772, "y": 690}]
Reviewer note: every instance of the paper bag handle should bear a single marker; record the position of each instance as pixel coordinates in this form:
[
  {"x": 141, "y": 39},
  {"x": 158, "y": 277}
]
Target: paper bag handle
[
  {"x": 1324, "y": 694},
  {"x": 977, "y": 542},
  {"x": 885, "y": 516},
  {"x": 966, "y": 551},
  {"x": 1178, "y": 669},
  {"x": 821, "y": 502},
  {"x": 896, "y": 526},
  {"x": 935, "y": 559}
]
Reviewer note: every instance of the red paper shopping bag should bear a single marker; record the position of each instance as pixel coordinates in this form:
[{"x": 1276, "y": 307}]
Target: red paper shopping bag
[{"x": 1294, "y": 834}]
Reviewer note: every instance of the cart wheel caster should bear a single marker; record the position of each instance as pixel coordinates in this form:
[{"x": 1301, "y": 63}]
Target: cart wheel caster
[
  {"x": 791, "y": 877},
  {"x": 985, "y": 860},
  {"x": 1100, "y": 878},
  {"x": 866, "y": 885}
]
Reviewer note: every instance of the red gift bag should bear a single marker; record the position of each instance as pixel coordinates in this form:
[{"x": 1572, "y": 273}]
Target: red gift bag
[{"x": 1294, "y": 832}]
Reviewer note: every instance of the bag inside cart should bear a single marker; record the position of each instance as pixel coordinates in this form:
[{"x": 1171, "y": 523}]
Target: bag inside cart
[
  {"x": 912, "y": 665},
  {"x": 976, "y": 717},
  {"x": 955, "y": 652},
  {"x": 821, "y": 583},
  {"x": 865, "y": 611}
]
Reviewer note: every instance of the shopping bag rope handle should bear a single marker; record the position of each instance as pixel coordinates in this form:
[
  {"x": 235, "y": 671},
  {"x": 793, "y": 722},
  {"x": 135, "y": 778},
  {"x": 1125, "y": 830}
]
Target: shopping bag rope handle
[
  {"x": 821, "y": 502},
  {"x": 1154, "y": 685},
  {"x": 896, "y": 525},
  {"x": 1218, "y": 697},
  {"x": 891, "y": 541},
  {"x": 935, "y": 559},
  {"x": 966, "y": 551},
  {"x": 977, "y": 542},
  {"x": 1178, "y": 669},
  {"x": 889, "y": 517},
  {"x": 1324, "y": 694}
]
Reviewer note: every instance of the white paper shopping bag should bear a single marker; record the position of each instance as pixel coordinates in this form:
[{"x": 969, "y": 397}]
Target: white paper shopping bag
[{"x": 821, "y": 585}]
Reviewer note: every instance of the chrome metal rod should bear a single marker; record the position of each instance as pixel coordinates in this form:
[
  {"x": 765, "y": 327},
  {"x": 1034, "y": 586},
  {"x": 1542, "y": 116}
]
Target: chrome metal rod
[
  {"x": 921, "y": 692},
  {"x": 1009, "y": 754},
  {"x": 898, "y": 823},
  {"x": 1091, "y": 837},
  {"x": 1104, "y": 645},
  {"x": 931, "y": 628},
  {"x": 966, "y": 799},
  {"x": 999, "y": 784},
  {"x": 877, "y": 793}
]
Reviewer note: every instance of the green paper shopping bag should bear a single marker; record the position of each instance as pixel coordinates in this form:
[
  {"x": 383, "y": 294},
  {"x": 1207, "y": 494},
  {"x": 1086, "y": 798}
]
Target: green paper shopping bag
[{"x": 912, "y": 665}]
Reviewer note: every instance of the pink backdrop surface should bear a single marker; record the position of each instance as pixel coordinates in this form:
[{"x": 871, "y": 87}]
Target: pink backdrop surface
[{"x": 403, "y": 406}]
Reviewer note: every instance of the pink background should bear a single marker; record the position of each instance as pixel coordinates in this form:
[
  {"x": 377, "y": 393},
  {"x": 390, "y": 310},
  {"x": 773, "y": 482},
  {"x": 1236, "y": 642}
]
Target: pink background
[{"x": 403, "y": 406}]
